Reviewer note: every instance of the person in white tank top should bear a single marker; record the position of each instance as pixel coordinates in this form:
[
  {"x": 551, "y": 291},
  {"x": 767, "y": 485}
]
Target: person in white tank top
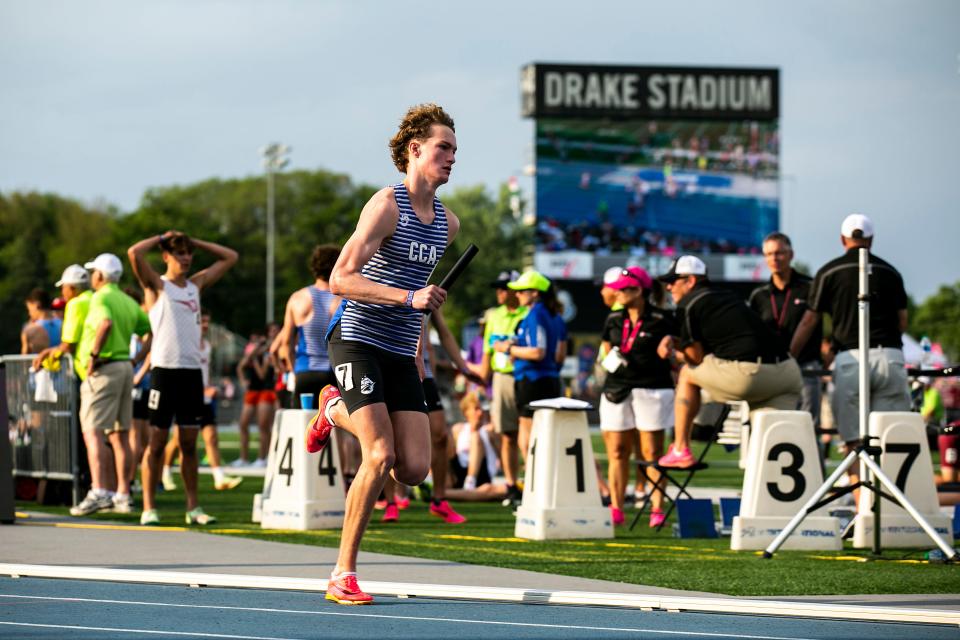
[
  {"x": 221, "y": 481},
  {"x": 176, "y": 392}
]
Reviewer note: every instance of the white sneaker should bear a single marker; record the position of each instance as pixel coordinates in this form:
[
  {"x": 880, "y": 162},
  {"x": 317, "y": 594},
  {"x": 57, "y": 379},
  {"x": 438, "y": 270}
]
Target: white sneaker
[
  {"x": 259, "y": 463},
  {"x": 122, "y": 503},
  {"x": 150, "y": 518},
  {"x": 91, "y": 504},
  {"x": 227, "y": 483},
  {"x": 169, "y": 484},
  {"x": 238, "y": 463},
  {"x": 197, "y": 516}
]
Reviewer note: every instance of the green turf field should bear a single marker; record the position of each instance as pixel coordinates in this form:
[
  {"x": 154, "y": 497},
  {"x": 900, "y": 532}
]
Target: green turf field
[{"x": 639, "y": 557}]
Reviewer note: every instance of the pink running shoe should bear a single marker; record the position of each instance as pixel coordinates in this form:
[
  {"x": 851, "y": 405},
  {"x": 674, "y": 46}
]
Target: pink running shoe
[
  {"x": 656, "y": 518},
  {"x": 380, "y": 505},
  {"x": 677, "y": 458},
  {"x": 343, "y": 589},
  {"x": 390, "y": 513},
  {"x": 318, "y": 431},
  {"x": 445, "y": 511},
  {"x": 403, "y": 503},
  {"x": 617, "y": 516}
]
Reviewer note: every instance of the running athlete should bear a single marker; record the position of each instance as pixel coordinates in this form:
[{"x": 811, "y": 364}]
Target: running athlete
[
  {"x": 176, "y": 380},
  {"x": 302, "y": 347},
  {"x": 374, "y": 343}
]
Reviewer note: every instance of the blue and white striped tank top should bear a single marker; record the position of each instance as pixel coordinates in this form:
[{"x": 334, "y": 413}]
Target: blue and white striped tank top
[
  {"x": 311, "y": 337},
  {"x": 405, "y": 260}
]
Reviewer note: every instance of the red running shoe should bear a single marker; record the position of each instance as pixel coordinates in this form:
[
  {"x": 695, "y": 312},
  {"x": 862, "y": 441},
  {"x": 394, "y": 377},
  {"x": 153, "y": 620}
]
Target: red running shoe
[
  {"x": 445, "y": 511},
  {"x": 343, "y": 589},
  {"x": 318, "y": 431},
  {"x": 390, "y": 513}
]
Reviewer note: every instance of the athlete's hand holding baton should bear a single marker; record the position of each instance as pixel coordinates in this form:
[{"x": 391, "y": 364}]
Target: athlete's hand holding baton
[{"x": 432, "y": 296}]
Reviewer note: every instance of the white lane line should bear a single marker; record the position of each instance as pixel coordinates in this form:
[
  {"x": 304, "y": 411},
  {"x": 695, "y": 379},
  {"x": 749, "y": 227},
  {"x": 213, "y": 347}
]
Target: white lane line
[
  {"x": 411, "y": 618},
  {"x": 190, "y": 634}
]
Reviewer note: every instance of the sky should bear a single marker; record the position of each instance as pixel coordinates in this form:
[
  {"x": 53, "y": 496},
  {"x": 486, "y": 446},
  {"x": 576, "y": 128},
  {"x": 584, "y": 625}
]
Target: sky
[{"x": 101, "y": 100}]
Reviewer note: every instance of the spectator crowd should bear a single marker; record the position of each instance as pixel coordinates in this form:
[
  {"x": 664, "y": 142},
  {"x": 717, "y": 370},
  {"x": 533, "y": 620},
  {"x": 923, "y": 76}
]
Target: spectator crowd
[{"x": 141, "y": 360}]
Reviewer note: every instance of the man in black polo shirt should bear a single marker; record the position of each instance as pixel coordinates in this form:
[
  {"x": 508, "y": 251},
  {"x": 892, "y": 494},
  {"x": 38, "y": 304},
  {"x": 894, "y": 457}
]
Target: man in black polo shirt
[
  {"x": 835, "y": 290},
  {"x": 727, "y": 351},
  {"x": 781, "y": 304}
]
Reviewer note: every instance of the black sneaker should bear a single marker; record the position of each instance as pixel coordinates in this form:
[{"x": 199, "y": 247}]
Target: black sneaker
[{"x": 514, "y": 496}]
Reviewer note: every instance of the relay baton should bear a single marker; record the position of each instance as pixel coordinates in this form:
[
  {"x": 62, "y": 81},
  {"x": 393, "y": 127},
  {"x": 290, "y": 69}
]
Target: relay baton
[{"x": 458, "y": 268}]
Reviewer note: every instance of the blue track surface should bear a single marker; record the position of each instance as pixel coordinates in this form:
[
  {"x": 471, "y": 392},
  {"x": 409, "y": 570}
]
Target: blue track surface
[{"x": 67, "y": 609}]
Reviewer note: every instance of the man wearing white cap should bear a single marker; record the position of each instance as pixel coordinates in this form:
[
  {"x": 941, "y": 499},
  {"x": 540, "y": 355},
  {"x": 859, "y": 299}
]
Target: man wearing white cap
[
  {"x": 835, "y": 291},
  {"x": 106, "y": 403},
  {"x": 75, "y": 286},
  {"x": 727, "y": 351}
]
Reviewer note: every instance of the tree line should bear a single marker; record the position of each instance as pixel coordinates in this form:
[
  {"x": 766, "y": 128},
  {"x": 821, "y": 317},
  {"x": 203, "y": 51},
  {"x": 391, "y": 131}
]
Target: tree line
[{"x": 42, "y": 233}]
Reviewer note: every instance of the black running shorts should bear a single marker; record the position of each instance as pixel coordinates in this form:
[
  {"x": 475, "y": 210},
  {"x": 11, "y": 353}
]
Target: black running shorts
[
  {"x": 176, "y": 395},
  {"x": 531, "y": 390},
  {"x": 368, "y": 375},
  {"x": 432, "y": 395},
  {"x": 309, "y": 382}
]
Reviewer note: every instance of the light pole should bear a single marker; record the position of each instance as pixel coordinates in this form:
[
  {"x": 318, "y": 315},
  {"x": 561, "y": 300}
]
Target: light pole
[{"x": 274, "y": 159}]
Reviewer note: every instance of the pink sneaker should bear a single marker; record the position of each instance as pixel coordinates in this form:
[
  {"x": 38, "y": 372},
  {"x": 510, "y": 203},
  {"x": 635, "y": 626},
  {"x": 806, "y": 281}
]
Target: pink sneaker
[
  {"x": 657, "y": 517},
  {"x": 390, "y": 513},
  {"x": 617, "y": 516},
  {"x": 343, "y": 589},
  {"x": 445, "y": 511},
  {"x": 403, "y": 503},
  {"x": 318, "y": 431},
  {"x": 380, "y": 505},
  {"x": 677, "y": 458}
]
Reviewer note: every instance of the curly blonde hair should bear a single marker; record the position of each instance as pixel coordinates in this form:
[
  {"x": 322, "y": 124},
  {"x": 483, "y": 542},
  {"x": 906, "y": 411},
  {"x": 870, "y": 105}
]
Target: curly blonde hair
[{"x": 416, "y": 126}]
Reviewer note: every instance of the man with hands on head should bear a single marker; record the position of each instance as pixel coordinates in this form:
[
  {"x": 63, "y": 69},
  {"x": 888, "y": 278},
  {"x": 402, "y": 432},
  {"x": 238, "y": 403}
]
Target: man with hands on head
[{"x": 176, "y": 384}]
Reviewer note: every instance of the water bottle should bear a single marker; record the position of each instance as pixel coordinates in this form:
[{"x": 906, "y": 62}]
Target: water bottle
[{"x": 927, "y": 356}]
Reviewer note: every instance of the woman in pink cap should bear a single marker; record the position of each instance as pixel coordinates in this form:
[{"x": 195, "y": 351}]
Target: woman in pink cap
[{"x": 638, "y": 391}]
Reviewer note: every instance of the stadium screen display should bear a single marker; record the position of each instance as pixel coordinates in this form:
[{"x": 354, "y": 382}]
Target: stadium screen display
[{"x": 641, "y": 163}]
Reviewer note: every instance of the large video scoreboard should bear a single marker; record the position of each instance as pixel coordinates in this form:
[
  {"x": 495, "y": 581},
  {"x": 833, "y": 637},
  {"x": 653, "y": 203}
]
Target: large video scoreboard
[{"x": 638, "y": 164}]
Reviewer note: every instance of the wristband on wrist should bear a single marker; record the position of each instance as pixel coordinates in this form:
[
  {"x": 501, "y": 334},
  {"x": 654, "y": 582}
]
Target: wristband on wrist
[{"x": 409, "y": 301}]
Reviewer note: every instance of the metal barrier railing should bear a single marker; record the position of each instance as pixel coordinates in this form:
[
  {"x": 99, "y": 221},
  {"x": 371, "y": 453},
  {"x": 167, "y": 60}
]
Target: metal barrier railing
[{"x": 43, "y": 434}]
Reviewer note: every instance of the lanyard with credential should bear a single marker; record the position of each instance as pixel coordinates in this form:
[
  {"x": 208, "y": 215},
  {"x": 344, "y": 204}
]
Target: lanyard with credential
[
  {"x": 626, "y": 342},
  {"x": 781, "y": 317}
]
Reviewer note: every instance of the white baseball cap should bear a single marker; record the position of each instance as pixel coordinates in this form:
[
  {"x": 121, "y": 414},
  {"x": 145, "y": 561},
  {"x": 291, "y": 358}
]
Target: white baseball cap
[
  {"x": 684, "y": 266},
  {"x": 107, "y": 264},
  {"x": 611, "y": 275},
  {"x": 74, "y": 274},
  {"x": 857, "y": 222}
]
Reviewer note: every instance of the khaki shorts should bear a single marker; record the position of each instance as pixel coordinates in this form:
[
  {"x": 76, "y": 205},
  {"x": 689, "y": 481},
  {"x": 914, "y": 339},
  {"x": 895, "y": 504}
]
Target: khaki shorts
[
  {"x": 762, "y": 386},
  {"x": 503, "y": 409},
  {"x": 889, "y": 389},
  {"x": 106, "y": 398}
]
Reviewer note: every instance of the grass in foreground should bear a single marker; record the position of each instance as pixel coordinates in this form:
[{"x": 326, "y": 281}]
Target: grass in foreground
[{"x": 638, "y": 557}]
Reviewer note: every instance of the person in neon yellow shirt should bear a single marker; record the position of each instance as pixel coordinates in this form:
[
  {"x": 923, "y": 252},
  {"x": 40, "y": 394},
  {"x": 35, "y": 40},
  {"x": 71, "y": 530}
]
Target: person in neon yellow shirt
[
  {"x": 75, "y": 286},
  {"x": 106, "y": 402},
  {"x": 502, "y": 322}
]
